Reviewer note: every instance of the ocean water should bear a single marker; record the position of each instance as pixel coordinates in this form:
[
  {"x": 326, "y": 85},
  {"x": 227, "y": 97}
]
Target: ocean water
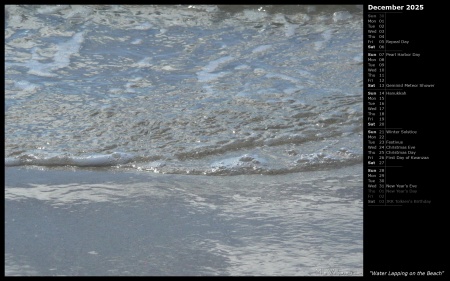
[{"x": 242, "y": 124}]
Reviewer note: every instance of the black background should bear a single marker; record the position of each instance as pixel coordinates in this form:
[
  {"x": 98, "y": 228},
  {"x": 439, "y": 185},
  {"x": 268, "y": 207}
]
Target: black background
[{"x": 413, "y": 238}]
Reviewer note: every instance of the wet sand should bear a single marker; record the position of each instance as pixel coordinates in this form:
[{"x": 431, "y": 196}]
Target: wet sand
[{"x": 81, "y": 222}]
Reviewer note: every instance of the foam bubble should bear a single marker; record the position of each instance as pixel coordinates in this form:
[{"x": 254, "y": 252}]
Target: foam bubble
[
  {"x": 154, "y": 166},
  {"x": 101, "y": 160},
  {"x": 342, "y": 156},
  {"x": 238, "y": 165}
]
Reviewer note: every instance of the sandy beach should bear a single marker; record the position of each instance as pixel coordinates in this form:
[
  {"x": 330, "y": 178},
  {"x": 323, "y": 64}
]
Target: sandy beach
[{"x": 80, "y": 222}]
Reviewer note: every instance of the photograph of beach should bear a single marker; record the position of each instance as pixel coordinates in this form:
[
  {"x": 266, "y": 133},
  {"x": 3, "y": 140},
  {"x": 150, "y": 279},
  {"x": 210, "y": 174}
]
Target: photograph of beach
[{"x": 183, "y": 140}]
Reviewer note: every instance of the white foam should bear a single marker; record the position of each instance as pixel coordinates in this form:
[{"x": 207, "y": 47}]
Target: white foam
[
  {"x": 259, "y": 71},
  {"x": 26, "y": 86},
  {"x": 143, "y": 26},
  {"x": 37, "y": 68},
  {"x": 98, "y": 160},
  {"x": 67, "y": 49},
  {"x": 146, "y": 62},
  {"x": 102, "y": 160},
  {"x": 205, "y": 75},
  {"x": 50, "y": 9},
  {"x": 136, "y": 41},
  {"x": 168, "y": 68},
  {"x": 162, "y": 31},
  {"x": 321, "y": 158},
  {"x": 262, "y": 48},
  {"x": 234, "y": 164},
  {"x": 254, "y": 15},
  {"x": 299, "y": 18},
  {"x": 213, "y": 65},
  {"x": 61, "y": 57},
  {"x": 154, "y": 166},
  {"x": 341, "y": 16},
  {"x": 242, "y": 66},
  {"x": 358, "y": 59}
]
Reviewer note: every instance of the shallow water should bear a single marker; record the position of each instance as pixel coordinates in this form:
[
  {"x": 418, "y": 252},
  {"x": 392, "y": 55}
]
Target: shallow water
[
  {"x": 184, "y": 89},
  {"x": 183, "y": 140}
]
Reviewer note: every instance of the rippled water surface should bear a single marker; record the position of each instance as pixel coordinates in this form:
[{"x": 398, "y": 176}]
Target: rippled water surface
[
  {"x": 184, "y": 89},
  {"x": 251, "y": 116}
]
